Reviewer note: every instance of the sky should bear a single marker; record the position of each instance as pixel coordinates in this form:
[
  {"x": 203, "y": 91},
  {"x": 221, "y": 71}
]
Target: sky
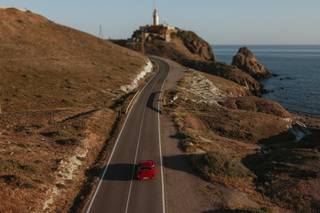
[{"x": 217, "y": 21}]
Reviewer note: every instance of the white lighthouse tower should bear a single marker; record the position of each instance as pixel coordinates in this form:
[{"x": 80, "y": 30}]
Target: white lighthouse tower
[{"x": 155, "y": 15}]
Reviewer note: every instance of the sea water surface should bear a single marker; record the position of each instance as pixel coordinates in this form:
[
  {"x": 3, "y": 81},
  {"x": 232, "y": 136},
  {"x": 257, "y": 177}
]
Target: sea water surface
[{"x": 297, "y": 86}]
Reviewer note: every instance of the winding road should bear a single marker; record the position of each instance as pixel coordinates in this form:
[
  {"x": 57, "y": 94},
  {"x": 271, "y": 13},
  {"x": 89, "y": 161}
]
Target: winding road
[{"x": 139, "y": 139}]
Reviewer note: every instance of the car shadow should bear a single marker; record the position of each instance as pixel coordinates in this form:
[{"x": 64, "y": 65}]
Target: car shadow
[
  {"x": 120, "y": 172},
  {"x": 228, "y": 211},
  {"x": 151, "y": 102}
]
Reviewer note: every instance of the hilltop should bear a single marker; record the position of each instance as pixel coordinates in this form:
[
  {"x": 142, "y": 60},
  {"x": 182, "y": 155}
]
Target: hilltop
[
  {"x": 59, "y": 91},
  {"x": 170, "y": 42}
]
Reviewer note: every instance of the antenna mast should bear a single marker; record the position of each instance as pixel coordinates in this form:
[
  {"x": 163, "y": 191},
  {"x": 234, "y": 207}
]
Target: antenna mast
[{"x": 101, "y": 32}]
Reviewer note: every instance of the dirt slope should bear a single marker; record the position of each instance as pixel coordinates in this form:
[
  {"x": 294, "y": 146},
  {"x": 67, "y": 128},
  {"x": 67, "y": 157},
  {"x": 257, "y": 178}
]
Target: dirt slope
[{"x": 58, "y": 86}]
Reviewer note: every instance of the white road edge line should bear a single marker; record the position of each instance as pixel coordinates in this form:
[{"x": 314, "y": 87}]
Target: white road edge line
[
  {"x": 160, "y": 150},
  {"x": 132, "y": 100},
  {"x": 136, "y": 156},
  {"x": 135, "y": 161},
  {"x": 114, "y": 148}
]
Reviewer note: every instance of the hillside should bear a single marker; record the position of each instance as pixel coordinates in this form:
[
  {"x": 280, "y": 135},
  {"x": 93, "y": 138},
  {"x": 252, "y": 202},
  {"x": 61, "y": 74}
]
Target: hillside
[
  {"x": 45, "y": 65},
  {"x": 59, "y": 87}
]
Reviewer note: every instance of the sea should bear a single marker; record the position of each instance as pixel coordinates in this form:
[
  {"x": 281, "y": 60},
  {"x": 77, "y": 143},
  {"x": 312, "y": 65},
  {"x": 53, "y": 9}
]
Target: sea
[{"x": 297, "y": 84}]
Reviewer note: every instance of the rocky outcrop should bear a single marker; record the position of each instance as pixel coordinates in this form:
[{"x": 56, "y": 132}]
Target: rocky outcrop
[
  {"x": 196, "y": 45},
  {"x": 228, "y": 72},
  {"x": 246, "y": 61}
]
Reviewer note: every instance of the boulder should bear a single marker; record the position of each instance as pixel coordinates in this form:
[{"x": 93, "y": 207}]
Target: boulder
[{"x": 246, "y": 61}]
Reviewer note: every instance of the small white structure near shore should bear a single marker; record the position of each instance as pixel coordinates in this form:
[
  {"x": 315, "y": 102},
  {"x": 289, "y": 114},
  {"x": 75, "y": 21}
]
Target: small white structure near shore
[{"x": 299, "y": 130}]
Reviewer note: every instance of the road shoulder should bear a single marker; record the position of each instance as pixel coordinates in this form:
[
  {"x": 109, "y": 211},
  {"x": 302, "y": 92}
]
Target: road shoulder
[{"x": 185, "y": 192}]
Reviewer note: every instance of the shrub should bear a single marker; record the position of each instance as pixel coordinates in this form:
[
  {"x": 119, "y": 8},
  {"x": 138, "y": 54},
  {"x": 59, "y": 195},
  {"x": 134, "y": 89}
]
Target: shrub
[{"x": 222, "y": 164}]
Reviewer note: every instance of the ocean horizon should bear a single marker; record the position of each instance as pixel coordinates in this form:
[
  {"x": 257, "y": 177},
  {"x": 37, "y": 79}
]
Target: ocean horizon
[{"x": 297, "y": 67}]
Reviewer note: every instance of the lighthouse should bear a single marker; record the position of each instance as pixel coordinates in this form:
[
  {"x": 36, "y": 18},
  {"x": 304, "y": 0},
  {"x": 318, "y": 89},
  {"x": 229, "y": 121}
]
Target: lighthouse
[{"x": 155, "y": 17}]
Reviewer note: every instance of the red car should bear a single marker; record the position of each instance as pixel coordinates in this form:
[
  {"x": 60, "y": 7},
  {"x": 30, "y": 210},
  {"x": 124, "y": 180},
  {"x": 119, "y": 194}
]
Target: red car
[{"x": 146, "y": 170}]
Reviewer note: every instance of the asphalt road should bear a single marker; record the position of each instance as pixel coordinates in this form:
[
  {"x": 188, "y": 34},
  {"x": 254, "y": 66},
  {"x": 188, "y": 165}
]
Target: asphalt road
[{"x": 139, "y": 139}]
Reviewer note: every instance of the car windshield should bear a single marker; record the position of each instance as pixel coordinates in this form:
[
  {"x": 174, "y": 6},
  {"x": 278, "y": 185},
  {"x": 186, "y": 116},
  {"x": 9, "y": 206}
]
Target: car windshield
[{"x": 144, "y": 168}]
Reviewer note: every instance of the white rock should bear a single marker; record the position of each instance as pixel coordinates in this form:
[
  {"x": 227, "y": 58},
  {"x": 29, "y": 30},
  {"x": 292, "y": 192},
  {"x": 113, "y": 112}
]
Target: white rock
[{"x": 135, "y": 83}]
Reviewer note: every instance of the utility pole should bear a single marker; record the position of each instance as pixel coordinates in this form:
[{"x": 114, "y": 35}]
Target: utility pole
[
  {"x": 101, "y": 32},
  {"x": 143, "y": 37}
]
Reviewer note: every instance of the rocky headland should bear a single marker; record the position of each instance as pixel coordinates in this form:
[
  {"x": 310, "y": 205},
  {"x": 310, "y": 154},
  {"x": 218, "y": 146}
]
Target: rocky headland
[{"x": 190, "y": 50}]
